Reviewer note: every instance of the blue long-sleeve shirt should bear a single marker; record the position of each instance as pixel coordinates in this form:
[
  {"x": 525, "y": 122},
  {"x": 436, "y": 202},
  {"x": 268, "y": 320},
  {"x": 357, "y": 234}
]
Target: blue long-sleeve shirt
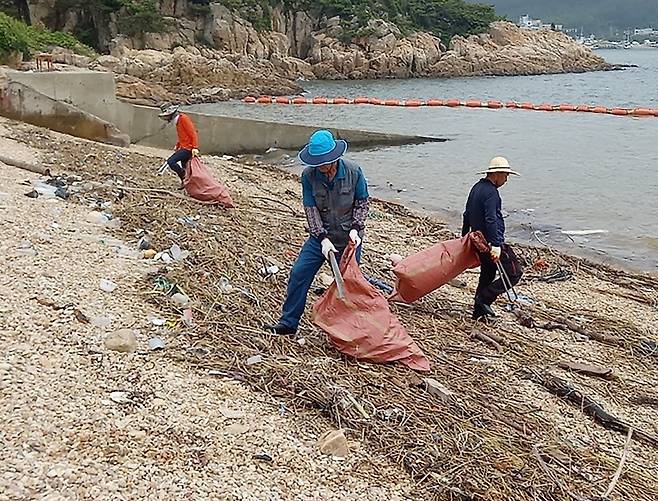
[{"x": 484, "y": 212}]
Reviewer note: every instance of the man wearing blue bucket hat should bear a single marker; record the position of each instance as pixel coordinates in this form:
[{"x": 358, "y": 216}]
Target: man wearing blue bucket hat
[{"x": 335, "y": 197}]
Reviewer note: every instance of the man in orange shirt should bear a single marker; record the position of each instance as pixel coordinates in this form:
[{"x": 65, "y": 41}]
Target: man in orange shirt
[{"x": 187, "y": 145}]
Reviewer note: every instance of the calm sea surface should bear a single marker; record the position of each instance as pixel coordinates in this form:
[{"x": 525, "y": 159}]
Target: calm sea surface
[{"x": 580, "y": 171}]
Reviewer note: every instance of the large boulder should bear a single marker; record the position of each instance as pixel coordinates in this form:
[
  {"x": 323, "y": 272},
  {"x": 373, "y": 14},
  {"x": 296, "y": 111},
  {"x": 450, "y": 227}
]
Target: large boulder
[{"x": 509, "y": 50}]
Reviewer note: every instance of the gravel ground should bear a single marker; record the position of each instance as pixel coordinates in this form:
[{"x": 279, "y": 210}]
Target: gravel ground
[{"x": 171, "y": 432}]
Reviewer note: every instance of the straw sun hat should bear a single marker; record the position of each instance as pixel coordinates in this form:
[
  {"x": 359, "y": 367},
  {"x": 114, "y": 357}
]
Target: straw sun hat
[{"x": 499, "y": 164}]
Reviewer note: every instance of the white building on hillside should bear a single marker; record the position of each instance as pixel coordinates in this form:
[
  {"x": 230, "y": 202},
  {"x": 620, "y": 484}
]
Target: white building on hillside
[{"x": 529, "y": 23}]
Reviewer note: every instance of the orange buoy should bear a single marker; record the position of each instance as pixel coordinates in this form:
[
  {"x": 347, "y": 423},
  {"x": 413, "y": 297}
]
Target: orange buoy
[
  {"x": 453, "y": 103},
  {"x": 642, "y": 112},
  {"x": 496, "y": 105},
  {"x": 436, "y": 102},
  {"x": 583, "y": 108},
  {"x": 472, "y": 103},
  {"x": 264, "y": 100},
  {"x": 361, "y": 100},
  {"x": 376, "y": 101},
  {"x": 249, "y": 99},
  {"x": 527, "y": 106},
  {"x": 567, "y": 107},
  {"x": 545, "y": 107},
  {"x": 282, "y": 100},
  {"x": 320, "y": 100},
  {"x": 512, "y": 104},
  {"x": 413, "y": 102},
  {"x": 391, "y": 102},
  {"x": 620, "y": 111},
  {"x": 599, "y": 109},
  {"x": 341, "y": 100},
  {"x": 299, "y": 100}
]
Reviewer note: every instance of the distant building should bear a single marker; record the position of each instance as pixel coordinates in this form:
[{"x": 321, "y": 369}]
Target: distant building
[{"x": 528, "y": 23}]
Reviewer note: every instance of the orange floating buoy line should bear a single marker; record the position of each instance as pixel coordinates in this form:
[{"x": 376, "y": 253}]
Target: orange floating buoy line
[{"x": 454, "y": 103}]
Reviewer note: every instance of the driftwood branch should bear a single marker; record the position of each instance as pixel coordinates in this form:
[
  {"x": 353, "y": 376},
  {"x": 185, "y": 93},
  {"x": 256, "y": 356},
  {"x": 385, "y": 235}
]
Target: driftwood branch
[
  {"x": 485, "y": 338},
  {"x": 622, "y": 461},
  {"x": 587, "y": 405},
  {"x": 37, "y": 169}
]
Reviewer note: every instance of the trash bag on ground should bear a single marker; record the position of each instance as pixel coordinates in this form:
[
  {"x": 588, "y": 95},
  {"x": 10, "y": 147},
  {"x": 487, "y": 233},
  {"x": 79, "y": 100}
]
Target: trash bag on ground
[
  {"x": 362, "y": 325},
  {"x": 427, "y": 270},
  {"x": 200, "y": 184}
]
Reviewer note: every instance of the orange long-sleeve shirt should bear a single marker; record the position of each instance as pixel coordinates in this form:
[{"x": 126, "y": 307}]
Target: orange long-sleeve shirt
[{"x": 188, "y": 139}]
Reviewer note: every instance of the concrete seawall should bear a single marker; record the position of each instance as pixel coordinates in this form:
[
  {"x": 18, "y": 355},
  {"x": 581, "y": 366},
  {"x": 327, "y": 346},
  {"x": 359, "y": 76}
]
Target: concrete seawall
[
  {"x": 23, "y": 103},
  {"x": 94, "y": 93}
]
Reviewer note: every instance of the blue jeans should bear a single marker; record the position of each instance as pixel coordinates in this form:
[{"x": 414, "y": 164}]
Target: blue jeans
[
  {"x": 177, "y": 162},
  {"x": 303, "y": 272}
]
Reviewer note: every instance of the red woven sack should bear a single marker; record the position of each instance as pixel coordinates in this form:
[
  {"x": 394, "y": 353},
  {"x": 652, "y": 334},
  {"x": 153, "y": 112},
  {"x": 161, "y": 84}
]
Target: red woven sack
[
  {"x": 427, "y": 270},
  {"x": 361, "y": 325},
  {"x": 201, "y": 185}
]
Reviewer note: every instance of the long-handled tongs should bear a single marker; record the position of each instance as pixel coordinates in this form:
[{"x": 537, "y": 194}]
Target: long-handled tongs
[
  {"x": 340, "y": 284},
  {"x": 507, "y": 283},
  {"x": 163, "y": 168}
]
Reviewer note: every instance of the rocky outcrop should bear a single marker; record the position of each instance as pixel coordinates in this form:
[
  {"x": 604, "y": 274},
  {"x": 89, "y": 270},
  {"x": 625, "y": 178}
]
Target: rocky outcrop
[
  {"x": 508, "y": 50},
  {"x": 193, "y": 75},
  {"x": 384, "y": 53},
  {"x": 219, "y": 55}
]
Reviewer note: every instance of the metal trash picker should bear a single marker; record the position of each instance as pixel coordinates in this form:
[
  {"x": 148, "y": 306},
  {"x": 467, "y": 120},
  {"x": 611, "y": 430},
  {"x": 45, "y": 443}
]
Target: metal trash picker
[
  {"x": 507, "y": 283},
  {"x": 163, "y": 168},
  {"x": 340, "y": 284}
]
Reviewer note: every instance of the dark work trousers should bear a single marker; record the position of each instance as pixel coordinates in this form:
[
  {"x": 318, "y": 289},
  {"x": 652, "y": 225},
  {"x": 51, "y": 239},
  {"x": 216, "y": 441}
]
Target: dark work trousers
[
  {"x": 488, "y": 288},
  {"x": 178, "y": 161}
]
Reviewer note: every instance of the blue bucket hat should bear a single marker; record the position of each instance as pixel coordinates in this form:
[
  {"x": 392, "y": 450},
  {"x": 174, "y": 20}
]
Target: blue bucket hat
[{"x": 322, "y": 149}]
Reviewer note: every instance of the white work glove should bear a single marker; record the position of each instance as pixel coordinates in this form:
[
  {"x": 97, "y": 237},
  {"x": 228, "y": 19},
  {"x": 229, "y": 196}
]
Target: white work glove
[
  {"x": 327, "y": 247},
  {"x": 495, "y": 253},
  {"x": 195, "y": 152},
  {"x": 354, "y": 237}
]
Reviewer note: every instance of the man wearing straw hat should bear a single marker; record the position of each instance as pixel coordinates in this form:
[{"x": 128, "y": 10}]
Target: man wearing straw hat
[
  {"x": 335, "y": 199},
  {"x": 484, "y": 213},
  {"x": 187, "y": 145}
]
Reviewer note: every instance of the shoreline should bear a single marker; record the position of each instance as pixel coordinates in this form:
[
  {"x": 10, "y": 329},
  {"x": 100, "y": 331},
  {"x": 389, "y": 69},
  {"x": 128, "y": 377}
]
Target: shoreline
[{"x": 445, "y": 217}]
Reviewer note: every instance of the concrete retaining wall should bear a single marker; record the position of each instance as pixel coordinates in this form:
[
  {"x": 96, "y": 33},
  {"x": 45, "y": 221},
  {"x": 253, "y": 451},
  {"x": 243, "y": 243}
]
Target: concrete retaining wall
[
  {"x": 23, "y": 103},
  {"x": 94, "y": 92}
]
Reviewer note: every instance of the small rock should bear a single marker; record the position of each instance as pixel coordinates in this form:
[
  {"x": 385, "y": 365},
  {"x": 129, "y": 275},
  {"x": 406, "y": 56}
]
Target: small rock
[
  {"x": 334, "y": 443},
  {"x": 180, "y": 299},
  {"x": 438, "y": 390},
  {"x": 107, "y": 285},
  {"x": 177, "y": 254},
  {"x": 158, "y": 322},
  {"x": 120, "y": 397},
  {"x": 236, "y": 429},
  {"x": 5, "y": 367},
  {"x": 149, "y": 254},
  {"x": 156, "y": 344},
  {"x": 100, "y": 321},
  {"x": 123, "y": 341},
  {"x": 137, "y": 434},
  {"x": 96, "y": 217},
  {"x": 32, "y": 194},
  {"x": 230, "y": 413}
]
